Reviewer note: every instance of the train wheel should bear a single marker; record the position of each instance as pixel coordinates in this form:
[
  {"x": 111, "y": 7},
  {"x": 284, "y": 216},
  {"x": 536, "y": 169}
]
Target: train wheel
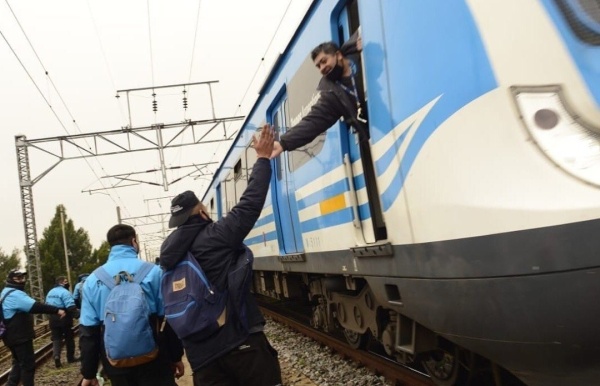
[
  {"x": 356, "y": 340},
  {"x": 445, "y": 368}
]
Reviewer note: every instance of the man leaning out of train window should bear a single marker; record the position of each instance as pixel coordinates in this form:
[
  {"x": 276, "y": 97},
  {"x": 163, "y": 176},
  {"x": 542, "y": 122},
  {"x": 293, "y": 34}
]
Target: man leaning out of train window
[{"x": 340, "y": 95}]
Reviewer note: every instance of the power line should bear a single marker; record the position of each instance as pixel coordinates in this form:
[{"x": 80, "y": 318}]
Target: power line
[
  {"x": 150, "y": 39},
  {"x": 256, "y": 72},
  {"x": 34, "y": 82},
  {"x": 106, "y": 64},
  {"x": 55, "y": 88},
  {"x": 194, "y": 45},
  {"x": 265, "y": 54}
]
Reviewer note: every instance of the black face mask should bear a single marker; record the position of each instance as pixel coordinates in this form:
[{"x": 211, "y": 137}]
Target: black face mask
[
  {"x": 336, "y": 73},
  {"x": 66, "y": 286}
]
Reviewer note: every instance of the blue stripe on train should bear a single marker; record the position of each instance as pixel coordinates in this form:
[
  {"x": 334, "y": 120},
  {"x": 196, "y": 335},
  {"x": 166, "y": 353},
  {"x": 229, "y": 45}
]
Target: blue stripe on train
[
  {"x": 426, "y": 64},
  {"x": 328, "y": 220},
  {"x": 332, "y": 190},
  {"x": 264, "y": 220},
  {"x": 269, "y": 236}
]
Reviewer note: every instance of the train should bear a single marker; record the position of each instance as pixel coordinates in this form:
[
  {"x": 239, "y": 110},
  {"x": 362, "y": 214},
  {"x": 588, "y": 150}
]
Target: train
[{"x": 464, "y": 237}]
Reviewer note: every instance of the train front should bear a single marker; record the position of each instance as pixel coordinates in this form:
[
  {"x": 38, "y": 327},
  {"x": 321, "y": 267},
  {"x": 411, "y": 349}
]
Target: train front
[{"x": 502, "y": 182}]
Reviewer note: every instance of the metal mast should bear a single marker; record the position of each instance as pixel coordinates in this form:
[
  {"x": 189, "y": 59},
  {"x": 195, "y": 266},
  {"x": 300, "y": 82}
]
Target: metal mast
[{"x": 31, "y": 249}]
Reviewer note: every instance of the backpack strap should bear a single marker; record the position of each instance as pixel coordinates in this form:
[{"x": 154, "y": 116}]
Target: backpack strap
[
  {"x": 2, "y": 300},
  {"x": 109, "y": 281},
  {"x": 105, "y": 277},
  {"x": 8, "y": 293},
  {"x": 143, "y": 272}
]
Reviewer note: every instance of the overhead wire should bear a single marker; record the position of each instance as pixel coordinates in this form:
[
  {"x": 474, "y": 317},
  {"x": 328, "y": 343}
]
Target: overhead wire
[
  {"x": 104, "y": 57},
  {"x": 237, "y": 110},
  {"x": 264, "y": 55},
  {"x": 55, "y": 89},
  {"x": 195, "y": 38}
]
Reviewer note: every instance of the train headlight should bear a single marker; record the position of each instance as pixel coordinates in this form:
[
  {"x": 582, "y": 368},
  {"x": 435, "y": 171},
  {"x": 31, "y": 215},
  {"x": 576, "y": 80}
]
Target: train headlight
[{"x": 566, "y": 139}]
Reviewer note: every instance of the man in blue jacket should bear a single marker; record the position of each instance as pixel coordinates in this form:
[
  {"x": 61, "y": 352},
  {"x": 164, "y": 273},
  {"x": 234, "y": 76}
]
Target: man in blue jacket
[
  {"x": 61, "y": 297},
  {"x": 17, "y": 307},
  {"x": 161, "y": 371},
  {"x": 231, "y": 356},
  {"x": 77, "y": 291}
]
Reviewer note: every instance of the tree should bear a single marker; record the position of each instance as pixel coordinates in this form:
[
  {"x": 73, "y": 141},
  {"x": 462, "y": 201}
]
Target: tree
[
  {"x": 8, "y": 262},
  {"x": 99, "y": 257},
  {"x": 52, "y": 252}
]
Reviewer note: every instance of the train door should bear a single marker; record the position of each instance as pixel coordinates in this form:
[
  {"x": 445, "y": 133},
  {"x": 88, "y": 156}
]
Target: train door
[
  {"x": 359, "y": 152},
  {"x": 289, "y": 235}
]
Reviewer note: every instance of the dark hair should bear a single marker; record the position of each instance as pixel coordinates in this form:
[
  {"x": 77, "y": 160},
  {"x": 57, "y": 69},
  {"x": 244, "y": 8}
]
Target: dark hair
[
  {"x": 326, "y": 48},
  {"x": 120, "y": 234},
  {"x": 59, "y": 279}
]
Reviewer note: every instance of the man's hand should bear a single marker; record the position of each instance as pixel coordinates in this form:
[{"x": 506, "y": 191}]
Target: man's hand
[
  {"x": 90, "y": 382},
  {"x": 61, "y": 313},
  {"x": 277, "y": 149},
  {"x": 178, "y": 369},
  {"x": 264, "y": 144}
]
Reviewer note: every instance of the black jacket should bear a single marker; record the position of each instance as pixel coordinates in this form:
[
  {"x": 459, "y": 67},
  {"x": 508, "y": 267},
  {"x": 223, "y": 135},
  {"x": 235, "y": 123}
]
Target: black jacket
[
  {"x": 19, "y": 328},
  {"x": 216, "y": 245},
  {"x": 333, "y": 103}
]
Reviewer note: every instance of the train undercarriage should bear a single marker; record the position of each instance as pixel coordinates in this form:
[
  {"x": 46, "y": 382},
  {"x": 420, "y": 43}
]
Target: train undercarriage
[{"x": 347, "y": 306}]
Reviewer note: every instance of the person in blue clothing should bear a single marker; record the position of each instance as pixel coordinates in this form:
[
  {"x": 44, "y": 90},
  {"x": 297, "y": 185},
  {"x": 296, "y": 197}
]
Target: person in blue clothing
[
  {"x": 60, "y": 328},
  {"x": 17, "y": 308},
  {"x": 232, "y": 356},
  {"x": 161, "y": 371},
  {"x": 77, "y": 291}
]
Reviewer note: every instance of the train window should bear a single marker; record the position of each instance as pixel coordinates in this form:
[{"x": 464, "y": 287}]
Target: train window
[
  {"x": 277, "y": 125},
  {"x": 237, "y": 170},
  {"x": 303, "y": 154},
  {"x": 223, "y": 199},
  {"x": 212, "y": 210},
  {"x": 250, "y": 161},
  {"x": 240, "y": 179}
]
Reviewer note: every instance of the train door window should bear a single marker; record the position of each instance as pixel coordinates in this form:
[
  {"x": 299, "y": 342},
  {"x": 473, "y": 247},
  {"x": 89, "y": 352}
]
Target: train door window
[
  {"x": 211, "y": 208},
  {"x": 375, "y": 229},
  {"x": 230, "y": 184},
  {"x": 276, "y": 122},
  {"x": 241, "y": 182}
]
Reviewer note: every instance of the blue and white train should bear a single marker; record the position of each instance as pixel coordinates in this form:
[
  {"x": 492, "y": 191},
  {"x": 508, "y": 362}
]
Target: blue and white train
[{"x": 466, "y": 236}]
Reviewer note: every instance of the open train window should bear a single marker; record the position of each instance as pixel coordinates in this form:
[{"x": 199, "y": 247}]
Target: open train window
[
  {"x": 237, "y": 170},
  {"x": 212, "y": 209}
]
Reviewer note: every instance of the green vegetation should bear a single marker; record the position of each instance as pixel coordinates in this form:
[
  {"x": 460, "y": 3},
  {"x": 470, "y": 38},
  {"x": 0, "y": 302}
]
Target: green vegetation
[{"x": 81, "y": 256}]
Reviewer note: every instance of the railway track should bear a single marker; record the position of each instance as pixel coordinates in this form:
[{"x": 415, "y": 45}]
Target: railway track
[
  {"x": 394, "y": 373},
  {"x": 42, "y": 347}
]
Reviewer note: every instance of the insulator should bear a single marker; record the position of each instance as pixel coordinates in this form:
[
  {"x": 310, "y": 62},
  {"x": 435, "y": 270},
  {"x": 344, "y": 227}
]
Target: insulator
[
  {"x": 154, "y": 106},
  {"x": 185, "y": 103}
]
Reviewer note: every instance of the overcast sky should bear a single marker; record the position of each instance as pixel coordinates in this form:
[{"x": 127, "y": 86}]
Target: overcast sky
[{"x": 91, "y": 49}]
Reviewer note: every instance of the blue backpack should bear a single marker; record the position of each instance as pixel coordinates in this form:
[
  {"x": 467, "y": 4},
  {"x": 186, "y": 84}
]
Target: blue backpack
[
  {"x": 194, "y": 308},
  {"x": 128, "y": 337}
]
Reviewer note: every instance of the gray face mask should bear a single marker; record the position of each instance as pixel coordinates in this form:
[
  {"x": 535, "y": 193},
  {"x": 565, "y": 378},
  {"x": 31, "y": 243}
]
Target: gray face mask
[{"x": 336, "y": 73}]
